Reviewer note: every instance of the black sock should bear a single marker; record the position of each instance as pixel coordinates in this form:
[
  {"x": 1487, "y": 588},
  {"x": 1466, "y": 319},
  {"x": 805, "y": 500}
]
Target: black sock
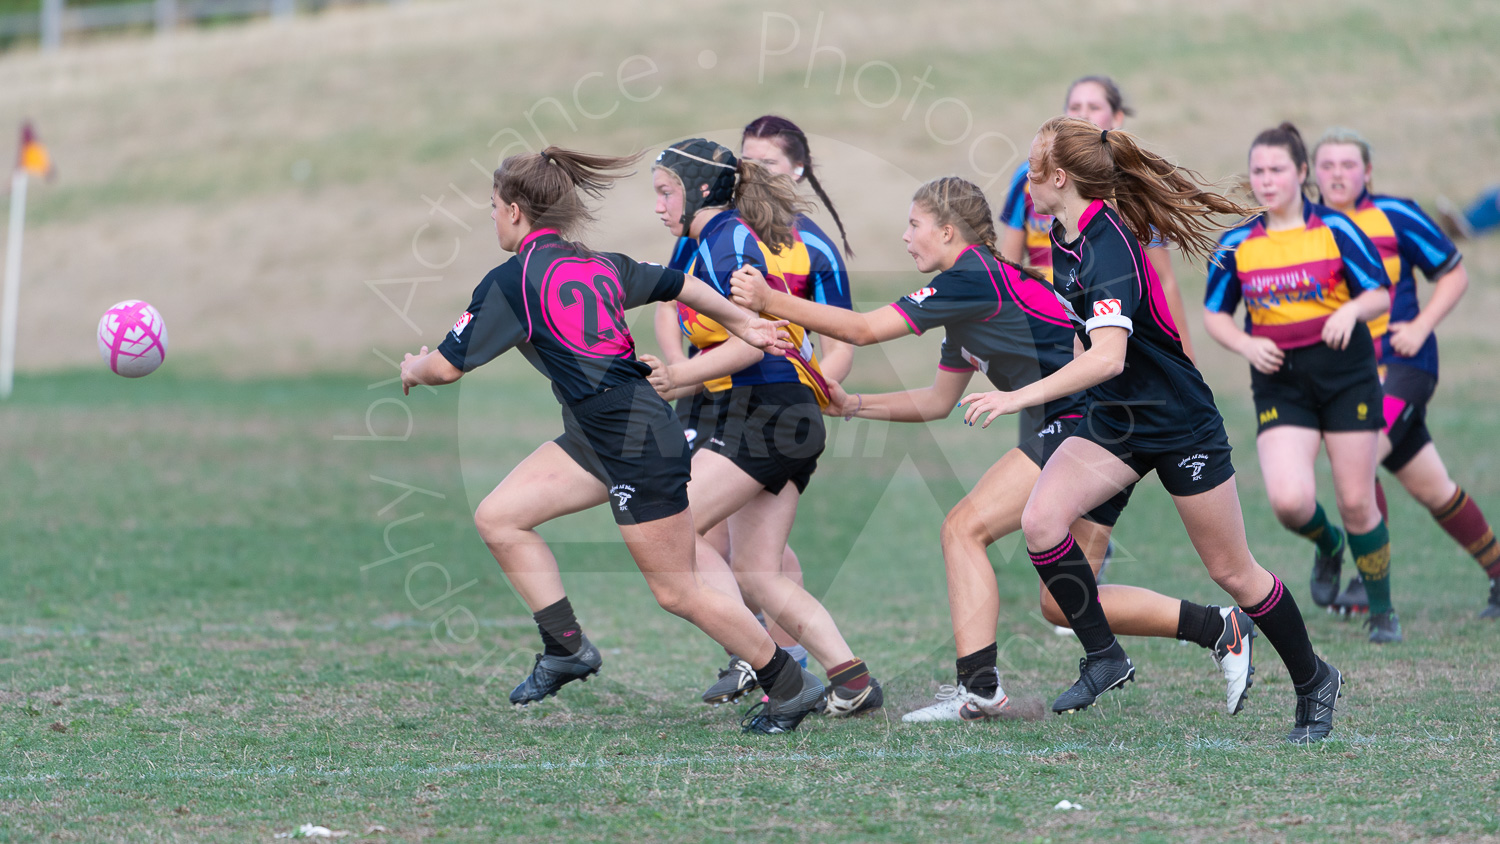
[
  {"x": 976, "y": 672},
  {"x": 1067, "y": 575},
  {"x": 561, "y": 635},
  {"x": 771, "y": 671},
  {"x": 1196, "y": 623},
  {"x": 1277, "y": 616}
]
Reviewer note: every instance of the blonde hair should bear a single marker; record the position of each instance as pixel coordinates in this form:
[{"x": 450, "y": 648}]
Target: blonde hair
[{"x": 958, "y": 202}]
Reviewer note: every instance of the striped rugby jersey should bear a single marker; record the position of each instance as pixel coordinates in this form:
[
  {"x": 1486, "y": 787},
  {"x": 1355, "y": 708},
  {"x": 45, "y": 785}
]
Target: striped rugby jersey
[
  {"x": 1407, "y": 240},
  {"x": 1291, "y": 281}
]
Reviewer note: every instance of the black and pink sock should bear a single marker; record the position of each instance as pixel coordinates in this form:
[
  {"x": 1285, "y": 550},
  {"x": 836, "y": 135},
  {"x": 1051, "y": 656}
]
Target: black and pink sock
[
  {"x": 1279, "y": 619},
  {"x": 1066, "y": 573},
  {"x": 561, "y": 635}
]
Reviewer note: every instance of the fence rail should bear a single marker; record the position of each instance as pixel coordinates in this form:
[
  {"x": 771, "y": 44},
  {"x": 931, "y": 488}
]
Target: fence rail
[{"x": 56, "y": 18}]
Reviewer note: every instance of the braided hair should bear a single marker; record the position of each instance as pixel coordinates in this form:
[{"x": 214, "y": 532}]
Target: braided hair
[{"x": 793, "y": 142}]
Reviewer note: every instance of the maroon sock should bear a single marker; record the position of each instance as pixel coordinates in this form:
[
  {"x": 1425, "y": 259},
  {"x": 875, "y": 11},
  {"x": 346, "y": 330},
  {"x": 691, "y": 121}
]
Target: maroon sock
[
  {"x": 1461, "y": 518},
  {"x": 852, "y": 675},
  {"x": 1385, "y": 513}
]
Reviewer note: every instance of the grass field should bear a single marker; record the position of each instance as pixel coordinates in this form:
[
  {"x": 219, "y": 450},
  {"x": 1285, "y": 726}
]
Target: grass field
[
  {"x": 196, "y": 646},
  {"x": 246, "y": 593}
]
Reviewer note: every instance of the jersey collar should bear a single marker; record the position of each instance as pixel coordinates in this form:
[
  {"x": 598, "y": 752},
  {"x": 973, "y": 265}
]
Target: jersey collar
[
  {"x": 1089, "y": 213},
  {"x": 530, "y": 238}
]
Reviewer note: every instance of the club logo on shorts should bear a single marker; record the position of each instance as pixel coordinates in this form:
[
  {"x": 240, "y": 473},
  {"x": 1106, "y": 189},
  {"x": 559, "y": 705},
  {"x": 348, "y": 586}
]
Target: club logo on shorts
[
  {"x": 1362, "y": 411},
  {"x": 1106, "y": 307},
  {"x": 1267, "y": 416},
  {"x": 1055, "y": 428},
  {"x": 1196, "y": 463},
  {"x": 622, "y": 492},
  {"x": 463, "y": 322},
  {"x": 921, "y": 295}
]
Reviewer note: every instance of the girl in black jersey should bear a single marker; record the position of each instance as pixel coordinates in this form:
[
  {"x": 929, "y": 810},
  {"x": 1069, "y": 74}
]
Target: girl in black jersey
[
  {"x": 1011, "y": 327},
  {"x": 1148, "y": 408},
  {"x": 563, "y": 306}
]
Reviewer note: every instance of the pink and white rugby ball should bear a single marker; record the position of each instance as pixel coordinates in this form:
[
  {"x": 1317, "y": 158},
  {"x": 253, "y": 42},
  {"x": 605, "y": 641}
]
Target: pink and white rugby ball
[{"x": 132, "y": 338}]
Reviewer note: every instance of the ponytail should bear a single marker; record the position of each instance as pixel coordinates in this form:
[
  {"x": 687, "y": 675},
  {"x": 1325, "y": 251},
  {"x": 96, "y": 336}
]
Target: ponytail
[
  {"x": 549, "y": 186},
  {"x": 768, "y": 203},
  {"x": 1156, "y": 198},
  {"x": 793, "y": 142}
]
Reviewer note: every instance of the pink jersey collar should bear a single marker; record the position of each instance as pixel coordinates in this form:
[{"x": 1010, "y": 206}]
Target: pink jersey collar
[
  {"x": 1088, "y": 214},
  {"x": 533, "y": 236}
]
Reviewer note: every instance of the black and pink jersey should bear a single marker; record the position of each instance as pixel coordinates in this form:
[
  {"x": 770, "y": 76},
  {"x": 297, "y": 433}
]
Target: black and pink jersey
[
  {"x": 565, "y": 309},
  {"x": 999, "y": 322},
  {"x": 1103, "y": 279}
]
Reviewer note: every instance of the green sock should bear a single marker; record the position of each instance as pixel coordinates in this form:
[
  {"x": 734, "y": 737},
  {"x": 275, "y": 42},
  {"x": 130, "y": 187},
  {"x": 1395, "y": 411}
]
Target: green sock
[
  {"x": 1372, "y": 554},
  {"x": 1328, "y": 538}
]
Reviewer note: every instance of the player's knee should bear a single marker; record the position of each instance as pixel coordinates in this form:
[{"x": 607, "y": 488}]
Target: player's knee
[
  {"x": 491, "y": 521},
  {"x": 962, "y": 526},
  {"x": 1293, "y": 507},
  {"x": 675, "y": 599},
  {"x": 1043, "y": 526},
  {"x": 1357, "y": 510}
]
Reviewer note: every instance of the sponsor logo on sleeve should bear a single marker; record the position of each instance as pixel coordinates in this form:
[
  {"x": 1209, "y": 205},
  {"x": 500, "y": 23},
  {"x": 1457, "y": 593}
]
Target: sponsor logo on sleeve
[
  {"x": 921, "y": 295},
  {"x": 463, "y": 322},
  {"x": 1106, "y": 307}
]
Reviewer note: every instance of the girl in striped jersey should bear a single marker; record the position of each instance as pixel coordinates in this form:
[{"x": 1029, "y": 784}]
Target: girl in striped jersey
[
  {"x": 1025, "y": 235},
  {"x": 767, "y": 433},
  {"x": 1008, "y": 325},
  {"x": 1407, "y": 240},
  {"x": 814, "y": 269},
  {"x": 1149, "y": 409},
  {"x": 1310, "y": 281}
]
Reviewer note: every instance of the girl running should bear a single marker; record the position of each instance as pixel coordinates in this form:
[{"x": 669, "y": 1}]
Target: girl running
[
  {"x": 563, "y": 306},
  {"x": 1011, "y": 327},
  {"x": 1025, "y": 234},
  {"x": 1310, "y": 281},
  {"x": 1148, "y": 408},
  {"x": 814, "y": 269},
  {"x": 758, "y": 457},
  {"x": 1407, "y": 240}
]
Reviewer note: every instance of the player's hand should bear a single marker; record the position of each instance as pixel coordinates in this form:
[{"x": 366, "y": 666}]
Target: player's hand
[
  {"x": 1339, "y": 327},
  {"x": 1407, "y": 338},
  {"x": 837, "y": 398},
  {"x": 767, "y": 335},
  {"x": 408, "y": 371},
  {"x": 995, "y": 403},
  {"x": 1264, "y": 355},
  {"x": 660, "y": 377},
  {"x": 750, "y": 288}
]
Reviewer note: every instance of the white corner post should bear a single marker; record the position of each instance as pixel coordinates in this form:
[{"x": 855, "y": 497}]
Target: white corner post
[{"x": 12, "y": 300}]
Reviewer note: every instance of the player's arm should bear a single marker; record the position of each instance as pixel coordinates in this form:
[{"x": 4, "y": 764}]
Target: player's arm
[
  {"x": 427, "y": 368},
  {"x": 1161, "y": 260},
  {"x": 1104, "y": 359},
  {"x": 673, "y": 381},
  {"x": 668, "y": 332},
  {"x": 860, "y": 329},
  {"x": 1362, "y": 308},
  {"x": 920, "y": 405},
  {"x": 835, "y": 357},
  {"x": 1262, "y": 352},
  {"x": 1407, "y": 337},
  {"x": 1012, "y": 244},
  {"x": 762, "y": 334}
]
